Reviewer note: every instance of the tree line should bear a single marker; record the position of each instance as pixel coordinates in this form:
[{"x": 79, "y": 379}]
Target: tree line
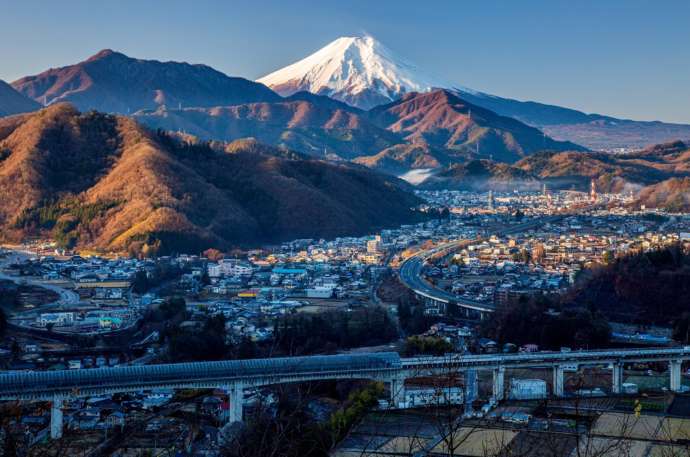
[
  {"x": 302, "y": 333},
  {"x": 644, "y": 288}
]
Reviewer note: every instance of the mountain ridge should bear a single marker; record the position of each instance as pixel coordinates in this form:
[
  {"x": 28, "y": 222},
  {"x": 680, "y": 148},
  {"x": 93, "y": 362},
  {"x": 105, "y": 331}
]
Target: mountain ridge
[
  {"x": 110, "y": 81},
  {"x": 322, "y": 127},
  {"x": 317, "y": 129},
  {"x": 203, "y": 102},
  {"x": 443, "y": 119}
]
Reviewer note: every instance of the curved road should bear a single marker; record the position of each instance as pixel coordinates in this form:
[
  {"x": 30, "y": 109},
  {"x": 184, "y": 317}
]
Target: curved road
[
  {"x": 411, "y": 270},
  {"x": 66, "y": 297}
]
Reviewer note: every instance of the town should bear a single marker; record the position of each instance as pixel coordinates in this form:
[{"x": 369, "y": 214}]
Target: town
[
  {"x": 344, "y": 229},
  {"x": 73, "y": 312}
]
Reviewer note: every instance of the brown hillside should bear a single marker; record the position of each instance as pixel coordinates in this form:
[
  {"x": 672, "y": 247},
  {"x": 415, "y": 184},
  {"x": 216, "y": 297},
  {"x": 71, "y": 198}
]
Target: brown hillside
[
  {"x": 442, "y": 119},
  {"x": 315, "y": 127},
  {"x": 104, "y": 182},
  {"x": 612, "y": 172},
  {"x": 672, "y": 195}
]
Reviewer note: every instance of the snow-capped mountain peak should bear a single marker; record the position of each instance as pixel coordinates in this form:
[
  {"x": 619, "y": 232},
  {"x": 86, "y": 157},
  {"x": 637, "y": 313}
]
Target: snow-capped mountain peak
[{"x": 357, "y": 70}]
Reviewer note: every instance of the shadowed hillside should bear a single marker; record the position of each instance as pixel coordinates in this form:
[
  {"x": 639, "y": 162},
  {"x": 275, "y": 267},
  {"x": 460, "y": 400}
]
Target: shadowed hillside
[
  {"x": 615, "y": 289},
  {"x": 482, "y": 175},
  {"x": 672, "y": 195},
  {"x": 401, "y": 158},
  {"x": 12, "y": 102}
]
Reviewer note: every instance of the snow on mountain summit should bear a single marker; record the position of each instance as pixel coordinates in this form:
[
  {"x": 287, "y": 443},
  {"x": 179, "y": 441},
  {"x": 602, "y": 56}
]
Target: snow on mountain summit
[{"x": 359, "y": 71}]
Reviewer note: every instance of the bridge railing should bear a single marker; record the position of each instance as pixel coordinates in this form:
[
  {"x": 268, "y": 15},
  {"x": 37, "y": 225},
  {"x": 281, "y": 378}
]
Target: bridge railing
[
  {"x": 293, "y": 369},
  {"x": 602, "y": 354},
  {"x": 313, "y": 366}
]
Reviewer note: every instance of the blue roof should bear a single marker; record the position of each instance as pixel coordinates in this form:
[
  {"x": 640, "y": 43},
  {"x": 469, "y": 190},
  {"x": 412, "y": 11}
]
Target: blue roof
[{"x": 289, "y": 271}]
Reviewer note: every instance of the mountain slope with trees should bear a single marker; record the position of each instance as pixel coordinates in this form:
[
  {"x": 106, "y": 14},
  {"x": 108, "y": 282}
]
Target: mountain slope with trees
[
  {"x": 480, "y": 175},
  {"x": 317, "y": 127},
  {"x": 104, "y": 182},
  {"x": 615, "y": 290},
  {"x": 612, "y": 172},
  {"x": 442, "y": 119}
]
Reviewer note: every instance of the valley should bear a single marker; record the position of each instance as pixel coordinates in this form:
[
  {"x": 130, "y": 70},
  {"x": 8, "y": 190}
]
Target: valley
[{"x": 255, "y": 230}]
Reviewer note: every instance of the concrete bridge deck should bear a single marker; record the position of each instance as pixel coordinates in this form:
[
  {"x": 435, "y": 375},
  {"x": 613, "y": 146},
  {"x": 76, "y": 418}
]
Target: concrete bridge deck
[
  {"x": 547, "y": 359},
  {"x": 44, "y": 385},
  {"x": 236, "y": 375}
]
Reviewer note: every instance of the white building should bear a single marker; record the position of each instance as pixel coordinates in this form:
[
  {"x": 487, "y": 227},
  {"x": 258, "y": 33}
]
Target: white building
[
  {"x": 157, "y": 398},
  {"x": 320, "y": 292},
  {"x": 374, "y": 245},
  {"x": 58, "y": 319},
  {"x": 229, "y": 267},
  {"x": 527, "y": 389},
  {"x": 431, "y": 396}
]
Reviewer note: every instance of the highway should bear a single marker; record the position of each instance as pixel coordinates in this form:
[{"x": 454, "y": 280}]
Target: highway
[{"x": 411, "y": 270}]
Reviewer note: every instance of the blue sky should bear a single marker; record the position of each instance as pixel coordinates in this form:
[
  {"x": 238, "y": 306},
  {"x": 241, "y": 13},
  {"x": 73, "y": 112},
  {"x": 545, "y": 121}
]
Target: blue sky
[{"x": 624, "y": 58}]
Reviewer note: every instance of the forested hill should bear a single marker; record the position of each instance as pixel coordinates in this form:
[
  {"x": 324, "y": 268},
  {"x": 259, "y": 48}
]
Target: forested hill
[
  {"x": 101, "y": 181},
  {"x": 649, "y": 287}
]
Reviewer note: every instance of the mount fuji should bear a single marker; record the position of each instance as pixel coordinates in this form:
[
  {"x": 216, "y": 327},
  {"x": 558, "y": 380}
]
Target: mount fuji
[
  {"x": 362, "y": 72},
  {"x": 359, "y": 71}
]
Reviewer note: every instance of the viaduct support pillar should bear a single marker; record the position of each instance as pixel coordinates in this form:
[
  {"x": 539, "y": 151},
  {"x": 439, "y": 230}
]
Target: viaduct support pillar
[
  {"x": 674, "y": 372},
  {"x": 397, "y": 392},
  {"x": 617, "y": 376},
  {"x": 499, "y": 383},
  {"x": 56, "y": 418},
  {"x": 558, "y": 390},
  {"x": 236, "y": 399},
  {"x": 471, "y": 388}
]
